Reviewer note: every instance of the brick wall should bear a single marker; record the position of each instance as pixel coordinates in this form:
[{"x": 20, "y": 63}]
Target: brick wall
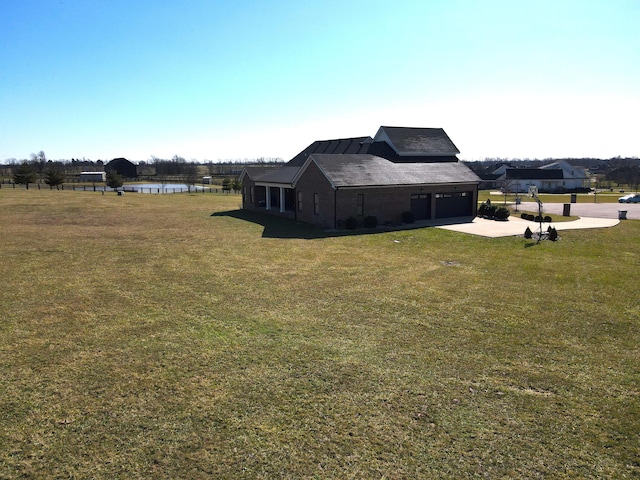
[{"x": 314, "y": 182}]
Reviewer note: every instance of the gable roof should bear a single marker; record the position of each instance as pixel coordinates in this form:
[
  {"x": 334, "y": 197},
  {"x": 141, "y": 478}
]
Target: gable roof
[
  {"x": 362, "y": 170},
  {"x": 337, "y": 146},
  {"x": 409, "y": 141},
  {"x": 255, "y": 172},
  {"x": 284, "y": 174}
]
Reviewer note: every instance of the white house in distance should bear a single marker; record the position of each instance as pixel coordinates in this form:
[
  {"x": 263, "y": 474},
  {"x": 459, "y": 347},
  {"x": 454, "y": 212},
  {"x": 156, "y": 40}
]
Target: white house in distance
[
  {"x": 556, "y": 177},
  {"x": 93, "y": 176}
]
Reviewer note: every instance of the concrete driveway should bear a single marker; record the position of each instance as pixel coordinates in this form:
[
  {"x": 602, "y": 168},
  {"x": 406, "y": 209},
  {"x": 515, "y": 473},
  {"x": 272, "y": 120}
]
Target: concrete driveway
[{"x": 592, "y": 215}]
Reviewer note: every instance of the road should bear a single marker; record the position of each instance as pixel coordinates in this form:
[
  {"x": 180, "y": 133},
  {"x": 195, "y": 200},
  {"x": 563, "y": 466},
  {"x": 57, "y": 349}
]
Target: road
[{"x": 596, "y": 210}]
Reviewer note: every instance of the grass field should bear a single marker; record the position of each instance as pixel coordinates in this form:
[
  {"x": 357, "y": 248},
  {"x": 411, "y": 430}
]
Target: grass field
[{"x": 143, "y": 337}]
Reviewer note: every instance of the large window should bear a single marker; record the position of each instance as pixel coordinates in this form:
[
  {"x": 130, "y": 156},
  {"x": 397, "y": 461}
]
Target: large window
[
  {"x": 316, "y": 204},
  {"x": 361, "y": 204}
]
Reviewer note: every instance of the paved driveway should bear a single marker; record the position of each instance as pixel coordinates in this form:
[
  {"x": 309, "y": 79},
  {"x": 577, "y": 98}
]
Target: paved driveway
[{"x": 592, "y": 215}]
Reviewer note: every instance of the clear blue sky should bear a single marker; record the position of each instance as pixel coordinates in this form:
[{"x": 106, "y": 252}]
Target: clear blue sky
[{"x": 212, "y": 80}]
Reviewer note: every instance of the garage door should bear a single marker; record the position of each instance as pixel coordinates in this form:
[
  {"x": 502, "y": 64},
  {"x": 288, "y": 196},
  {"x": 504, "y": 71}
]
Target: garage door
[
  {"x": 421, "y": 206},
  {"x": 454, "y": 204}
]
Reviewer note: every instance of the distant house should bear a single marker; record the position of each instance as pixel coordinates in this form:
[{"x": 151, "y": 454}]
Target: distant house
[
  {"x": 123, "y": 167},
  {"x": 398, "y": 172},
  {"x": 93, "y": 176},
  {"x": 556, "y": 177}
]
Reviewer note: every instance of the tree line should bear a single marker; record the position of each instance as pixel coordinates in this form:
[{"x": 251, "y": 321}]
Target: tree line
[{"x": 55, "y": 172}]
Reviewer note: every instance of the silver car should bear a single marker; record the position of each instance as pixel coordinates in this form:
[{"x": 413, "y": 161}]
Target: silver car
[{"x": 631, "y": 198}]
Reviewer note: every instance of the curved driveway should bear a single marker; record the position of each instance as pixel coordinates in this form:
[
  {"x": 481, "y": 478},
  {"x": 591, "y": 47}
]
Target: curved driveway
[{"x": 592, "y": 215}]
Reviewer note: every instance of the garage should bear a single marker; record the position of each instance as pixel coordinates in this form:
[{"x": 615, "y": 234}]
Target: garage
[
  {"x": 421, "y": 206},
  {"x": 454, "y": 204}
]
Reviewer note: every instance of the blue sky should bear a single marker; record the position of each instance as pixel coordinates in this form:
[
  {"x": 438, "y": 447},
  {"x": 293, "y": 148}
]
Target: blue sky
[{"x": 212, "y": 80}]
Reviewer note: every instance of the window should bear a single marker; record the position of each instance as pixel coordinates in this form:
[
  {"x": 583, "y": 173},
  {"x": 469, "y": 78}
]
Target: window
[
  {"x": 299, "y": 201},
  {"x": 361, "y": 204},
  {"x": 251, "y": 195},
  {"x": 316, "y": 204},
  {"x": 452, "y": 194}
]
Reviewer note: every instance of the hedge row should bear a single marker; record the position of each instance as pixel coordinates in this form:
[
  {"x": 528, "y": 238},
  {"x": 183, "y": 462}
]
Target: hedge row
[{"x": 535, "y": 218}]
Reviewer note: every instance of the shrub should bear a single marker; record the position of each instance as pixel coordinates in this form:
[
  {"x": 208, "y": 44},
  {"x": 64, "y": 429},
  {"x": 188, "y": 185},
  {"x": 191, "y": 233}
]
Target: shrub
[
  {"x": 528, "y": 233},
  {"x": 547, "y": 219},
  {"x": 502, "y": 213},
  {"x": 538, "y": 218},
  {"x": 370, "y": 221},
  {"x": 524, "y": 216},
  {"x": 487, "y": 210},
  {"x": 553, "y": 235},
  {"x": 350, "y": 223},
  {"x": 408, "y": 217}
]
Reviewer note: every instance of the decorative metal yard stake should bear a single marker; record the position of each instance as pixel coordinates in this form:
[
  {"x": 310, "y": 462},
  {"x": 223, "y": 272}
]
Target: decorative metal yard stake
[{"x": 533, "y": 193}]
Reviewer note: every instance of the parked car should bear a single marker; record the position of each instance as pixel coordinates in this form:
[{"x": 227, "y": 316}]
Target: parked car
[{"x": 631, "y": 198}]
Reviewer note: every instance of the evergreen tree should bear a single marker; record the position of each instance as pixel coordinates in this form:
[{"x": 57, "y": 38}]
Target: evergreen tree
[
  {"x": 114, "y": 180},
  {"x": 24, "y": 175},
  {"x": 226, "y": 185},
  {"x": 53, "y": 177}
]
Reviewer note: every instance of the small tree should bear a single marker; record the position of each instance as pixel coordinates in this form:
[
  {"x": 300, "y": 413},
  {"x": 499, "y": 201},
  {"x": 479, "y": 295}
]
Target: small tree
[
  {"x": 53, "y": 177},
  {"x": 226, "y": 185},
  {"x": 528, "y": 233},
  {"x": 24, "y": 175},
  {"x": 191, "y": 175},
  {"x": 236, "y": 184},
  {"x": 114, "y": 180}
]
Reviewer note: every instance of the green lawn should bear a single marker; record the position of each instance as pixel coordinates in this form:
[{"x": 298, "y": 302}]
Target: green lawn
[{"x": 143, "y": 337}]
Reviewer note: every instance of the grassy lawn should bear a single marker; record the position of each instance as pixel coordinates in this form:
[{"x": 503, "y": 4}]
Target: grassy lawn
[{"x": 144, "y": 337}]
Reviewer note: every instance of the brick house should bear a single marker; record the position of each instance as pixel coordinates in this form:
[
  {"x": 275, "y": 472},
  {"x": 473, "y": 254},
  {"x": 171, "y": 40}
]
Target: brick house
[{"x": 399, "y": 170}]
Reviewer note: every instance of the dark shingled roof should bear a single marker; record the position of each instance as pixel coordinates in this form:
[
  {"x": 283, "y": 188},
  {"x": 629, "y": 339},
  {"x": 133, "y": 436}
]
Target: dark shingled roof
[
  {"x": 284, "y": 174},
  {"x": 341, "y": 145},
  {"x": 359, "y": 170},
  {"x": 533, "y": 174},
  {"x": 418, "y": 141},
  {"x": 256, "y": 172}
]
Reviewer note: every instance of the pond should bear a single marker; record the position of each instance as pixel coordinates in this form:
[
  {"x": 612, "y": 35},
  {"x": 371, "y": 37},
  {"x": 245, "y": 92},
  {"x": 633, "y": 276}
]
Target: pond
[{"x": 162, "y": 188}]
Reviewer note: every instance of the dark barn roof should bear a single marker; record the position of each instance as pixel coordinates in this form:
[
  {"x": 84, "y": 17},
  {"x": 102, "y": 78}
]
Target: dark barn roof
[{"x": 123, "y": 166}]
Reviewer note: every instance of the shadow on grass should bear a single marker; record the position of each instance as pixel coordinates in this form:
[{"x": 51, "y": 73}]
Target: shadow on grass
[{"x": 281, "y": 227}]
